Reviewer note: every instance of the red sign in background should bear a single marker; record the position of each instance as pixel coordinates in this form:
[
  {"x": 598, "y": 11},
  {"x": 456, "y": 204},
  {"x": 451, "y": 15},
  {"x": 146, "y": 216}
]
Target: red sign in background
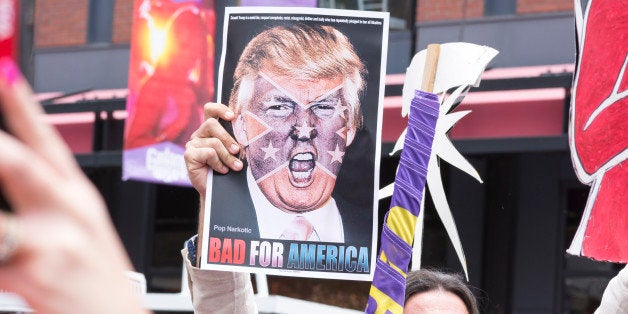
[
  {"x": 600, "y": 129},
  {"x": 9, "y": 30},
  {"x": 171, "y": 70},
  {"x": 171, "y": 77}
]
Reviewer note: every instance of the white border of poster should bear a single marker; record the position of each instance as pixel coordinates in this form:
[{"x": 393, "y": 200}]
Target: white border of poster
[{"x": 323, "y": 259}]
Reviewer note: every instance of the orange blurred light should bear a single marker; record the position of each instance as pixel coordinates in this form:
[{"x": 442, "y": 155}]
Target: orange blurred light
[{"x": 158, "y": 41}]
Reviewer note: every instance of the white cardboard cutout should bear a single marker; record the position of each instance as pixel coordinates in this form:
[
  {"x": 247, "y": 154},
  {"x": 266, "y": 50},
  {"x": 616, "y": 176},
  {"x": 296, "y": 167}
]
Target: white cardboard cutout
[{"x": 460, "y": 65}]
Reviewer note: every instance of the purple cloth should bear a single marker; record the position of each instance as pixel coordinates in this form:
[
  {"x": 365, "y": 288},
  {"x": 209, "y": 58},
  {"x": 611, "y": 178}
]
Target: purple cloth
[{"x": 409, "y": 187}]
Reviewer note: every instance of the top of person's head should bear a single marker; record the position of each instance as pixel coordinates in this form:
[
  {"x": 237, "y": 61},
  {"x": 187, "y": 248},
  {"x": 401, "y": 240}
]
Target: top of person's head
[
  {"x": 425, "y": 280},
  {"x": 309, "y": 52}
]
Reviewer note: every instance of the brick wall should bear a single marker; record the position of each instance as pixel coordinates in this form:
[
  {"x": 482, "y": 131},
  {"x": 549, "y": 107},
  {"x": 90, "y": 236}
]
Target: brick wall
[
  {"x": 439, "y": 10},
  {"x": 122, "y": 21},
  {"x": 442, "y": 10},
  {"x": 543, "y": 6},
  {"x": 60, "y": 23}
]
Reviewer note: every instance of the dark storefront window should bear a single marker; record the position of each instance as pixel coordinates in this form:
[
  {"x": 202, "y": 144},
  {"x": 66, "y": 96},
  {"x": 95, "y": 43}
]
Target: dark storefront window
[
  {"x": 99, "y": 27},
  {"x": 584, "y": 279},
  {"x": 176, "y": 212},
  {"x": 499, "y": 7}
]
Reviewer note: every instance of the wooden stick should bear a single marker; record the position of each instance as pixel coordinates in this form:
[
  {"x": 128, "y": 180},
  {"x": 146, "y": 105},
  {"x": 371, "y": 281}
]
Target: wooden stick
[
  {"x": 199, "y": 240},
  {"x": 429, "y": 70}
]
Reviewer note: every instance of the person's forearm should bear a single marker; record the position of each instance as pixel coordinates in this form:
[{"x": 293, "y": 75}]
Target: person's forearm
[{"x": 219, "y": 291}]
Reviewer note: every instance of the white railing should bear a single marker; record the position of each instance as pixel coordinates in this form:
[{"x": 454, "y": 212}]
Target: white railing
[{"x": 11, "y": 302}]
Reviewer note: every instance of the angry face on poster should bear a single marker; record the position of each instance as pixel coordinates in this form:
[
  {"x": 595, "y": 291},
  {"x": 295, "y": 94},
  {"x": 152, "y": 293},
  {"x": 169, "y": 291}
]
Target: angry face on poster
[{"x": 296, "y": 95}]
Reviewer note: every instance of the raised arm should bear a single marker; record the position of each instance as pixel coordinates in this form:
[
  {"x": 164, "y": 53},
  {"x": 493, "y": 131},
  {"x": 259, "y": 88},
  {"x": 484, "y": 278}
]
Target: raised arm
[{"x": 212, "y": 148}]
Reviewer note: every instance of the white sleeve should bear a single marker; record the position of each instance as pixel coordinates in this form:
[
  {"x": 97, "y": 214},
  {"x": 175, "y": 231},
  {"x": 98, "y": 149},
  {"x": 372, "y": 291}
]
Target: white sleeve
[
  {"x": 615, "y": 298},
  {"x": 219, "y": 291}
]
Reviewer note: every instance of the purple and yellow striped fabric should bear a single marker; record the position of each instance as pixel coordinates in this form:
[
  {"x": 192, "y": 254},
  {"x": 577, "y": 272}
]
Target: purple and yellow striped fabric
[{"x": 389, "y": 281}]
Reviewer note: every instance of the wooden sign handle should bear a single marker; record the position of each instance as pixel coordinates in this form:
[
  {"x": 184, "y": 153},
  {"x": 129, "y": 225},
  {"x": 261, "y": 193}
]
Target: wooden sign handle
[{"x": 429, "y": 70}]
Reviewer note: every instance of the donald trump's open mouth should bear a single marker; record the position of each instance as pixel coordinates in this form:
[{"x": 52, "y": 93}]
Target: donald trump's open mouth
[{"x": 301, "y": 166}]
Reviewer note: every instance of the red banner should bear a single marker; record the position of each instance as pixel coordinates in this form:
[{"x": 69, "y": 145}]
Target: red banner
[
  {"x": 171, "y": 77},
  {"x": 598, "y": 130}
]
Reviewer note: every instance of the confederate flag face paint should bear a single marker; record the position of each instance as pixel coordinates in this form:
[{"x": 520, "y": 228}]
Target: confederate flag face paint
[{"x": 296, "y": 133}]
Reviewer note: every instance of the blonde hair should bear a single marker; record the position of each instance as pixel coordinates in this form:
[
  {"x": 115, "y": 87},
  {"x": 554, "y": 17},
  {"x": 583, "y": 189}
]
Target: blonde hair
[{"x": 301, "y": 51}]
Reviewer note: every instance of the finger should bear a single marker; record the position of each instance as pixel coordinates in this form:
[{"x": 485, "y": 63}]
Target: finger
[
  {"x": 222, "y": 155},
  {"x": 27, "y": 181},
  {"x": 24, "y": 118},
  {"x": 197, "y": 168},
  {"x": 67, "y": 241},
  {"x": 10, "y": 237},
  {"x": 211, "y": 128},
  {"x": 211, "y": 152},
  {"x": 206, "y": 156},
  {"x": 216, "y": 110}
]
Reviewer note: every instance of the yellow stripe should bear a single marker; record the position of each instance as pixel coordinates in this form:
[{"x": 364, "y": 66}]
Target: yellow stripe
[
  {"x": 384, "y": 259},
  {"x": 384, "y": 302},
  {"x": 402, "y": 222}
]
